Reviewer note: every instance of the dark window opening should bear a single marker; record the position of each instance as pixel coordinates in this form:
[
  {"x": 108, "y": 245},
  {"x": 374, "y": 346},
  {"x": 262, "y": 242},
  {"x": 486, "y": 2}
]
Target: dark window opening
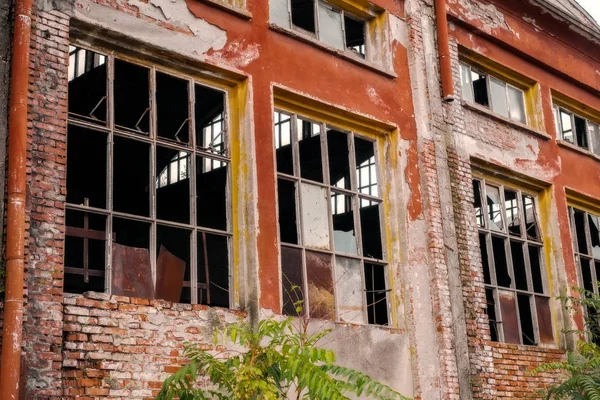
[
  {"x": 309, "y": 146},
  {"x": 491, "y": 313},
  {"x": 581, "y": 132},
  {"x": 480, "y": 89},
  {"x": 511, "y": 210},
  {"x": 579, "y": 217},
  {"x": 376, "y": 294},
  {"x": 500, "y": 262},
  {"x": 519, "y": 267},
  {"x": 477, "y": 203},
  {"x": 484, "y": 259},
  {"x": 147, "y": 182},
  {"x": 303, "y": 14},
  {"x": 288, "y": 225},
  {"x": 355, "y": 35},
  {"x": 526, "y": 319},
  {"x": 536, "y": 272}
]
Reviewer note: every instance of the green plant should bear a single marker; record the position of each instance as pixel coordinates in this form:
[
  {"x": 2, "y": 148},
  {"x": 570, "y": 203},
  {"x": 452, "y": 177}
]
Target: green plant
[
  {"x": 282, "y": 359},
  {"x": 582, "y": 367}
]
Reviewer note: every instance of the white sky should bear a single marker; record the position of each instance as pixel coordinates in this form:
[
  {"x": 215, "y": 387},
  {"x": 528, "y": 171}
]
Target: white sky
[{"x": 592, "y": 7}]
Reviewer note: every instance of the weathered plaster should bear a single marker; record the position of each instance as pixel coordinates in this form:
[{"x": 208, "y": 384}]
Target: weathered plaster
[{"x": 5, "y": 60}]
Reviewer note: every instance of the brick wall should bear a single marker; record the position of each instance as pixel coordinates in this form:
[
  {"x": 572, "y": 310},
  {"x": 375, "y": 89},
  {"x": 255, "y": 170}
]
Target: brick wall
[{"x": 124, "y": 348}]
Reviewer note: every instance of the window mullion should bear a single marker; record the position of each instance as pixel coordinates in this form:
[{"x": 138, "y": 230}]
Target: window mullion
[
  {"x": 153, "y": 174},
  {"x": 109, "y": 173},
  {"x": 193, "y": 196},
  {"x": 316, "y": 16}
]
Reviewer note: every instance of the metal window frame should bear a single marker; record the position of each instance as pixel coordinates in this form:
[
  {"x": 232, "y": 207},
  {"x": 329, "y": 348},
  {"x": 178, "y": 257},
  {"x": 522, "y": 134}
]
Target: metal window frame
[
  {"x": 353, "y": 192},
  {"x": 507, "y": 238},
  {"x": 152, "y": 138},
  {"x": 558, "y": 109}
]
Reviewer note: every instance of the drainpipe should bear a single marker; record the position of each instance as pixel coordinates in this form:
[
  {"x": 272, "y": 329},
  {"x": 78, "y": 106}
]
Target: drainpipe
[
  {"x": 441, "y": 21},
  {"x": 15, "y": 210}
]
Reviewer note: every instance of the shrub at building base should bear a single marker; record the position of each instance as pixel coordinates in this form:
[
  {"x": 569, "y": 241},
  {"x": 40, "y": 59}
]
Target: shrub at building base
[{"x": 282, "y": 360}]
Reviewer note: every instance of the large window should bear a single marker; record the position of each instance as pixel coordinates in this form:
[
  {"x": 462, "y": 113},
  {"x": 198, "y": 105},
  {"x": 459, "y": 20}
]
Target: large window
[
  {"x": 329, "y": 24},
  {"x": 332, "y": 254},
  {"x": 518, "y": 302},
  {"x": 488, "y": 91},
  {"x": 577, "y": 130},
  {"x": 148, "y": 183}
]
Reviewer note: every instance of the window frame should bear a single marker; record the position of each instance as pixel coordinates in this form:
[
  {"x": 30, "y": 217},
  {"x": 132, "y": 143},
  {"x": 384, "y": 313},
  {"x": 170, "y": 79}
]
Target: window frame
[
  {"x": 330, "y": 188},
  {"x": 508, "y": 238},
  {"x": 488, "y": 77},
  {"x": 152, "y": 138},
  {"x": 343, "y": 13},
  {"x": 557, "y": 109},
  {"x": 577, "y": 254}
]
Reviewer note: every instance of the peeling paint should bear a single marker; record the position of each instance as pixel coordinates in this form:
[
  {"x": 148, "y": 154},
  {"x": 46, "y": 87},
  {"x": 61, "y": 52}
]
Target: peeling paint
[{"x": 239, "y": 53}]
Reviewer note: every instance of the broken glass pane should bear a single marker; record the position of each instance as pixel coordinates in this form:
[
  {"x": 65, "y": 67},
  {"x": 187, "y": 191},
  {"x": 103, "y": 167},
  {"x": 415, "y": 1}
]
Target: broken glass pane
[
  {"x": 530, "y": 216},
  {"x": 87, "y": 85},
  {"x": 213, "y": 267},
  {"x": 209, "y": 113},
  {"x": 283, "y": 142},
  {"x": 566, "y": 126},
  {"x": 594, "y": 224},
  {"x": 339, "y": 165},
  {"x": 366, "y": 169},
  {"x": 320, "y": 285},
  {"x": 177, "y": 242},
  {"x": 516, "y": 104},
  {"x": 173, "y": 191},
  {"x": 480, "y": 90},
  {"x": 510, "y": 321},
  {"x": 586, "y": 274},
  {"x": 292, "y": 281},
  {"x": 484, "y": 259},
  {"x": 86, "y": 169},
  {"x": 309, "y": 146},
  {"x": 376, "y": 294},
  {"x": 172, "y": 109},
  {"x": 477, "y": 203},
  {"x": 519, "y": 268},
  {"x": 498, "y": 94},
  {"x": 500, "y": 262},
  {"x": 315, "y": 216},
  {"x": 286, "y": 197},
  {"x": 370, "y": 229},
  {"x": 544, "y": 319},
  {"x": 131, "y": 176},
  {"x": 349, "y": 287},
  {"x": 355, "y": 35},
  {"x": 85, "y": 251},
  {"x": 581, "y": 132},
  {"x": 211, "y": 192},
  {"x": 303, "y": 14},
  {"x": 536, "y": 269},
  {"x": 579, "y": 217},
  {"x": 465, "y": 79},
  {"x": 511, "y": 207},
  {"x": 330, "y": 25},
  {"x": 526, "y": 319},
  {"x": 132, "y": 97},
  {"x": 491, "y": 313},
  {"x": 494, "y": 208},
  {"x": 594, "y": 132},
  {"x": 344, "y": 235}
]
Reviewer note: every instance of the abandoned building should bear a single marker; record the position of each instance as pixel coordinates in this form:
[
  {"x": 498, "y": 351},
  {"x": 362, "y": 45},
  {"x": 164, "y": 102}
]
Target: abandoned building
[{"x": 426, "y": 171}]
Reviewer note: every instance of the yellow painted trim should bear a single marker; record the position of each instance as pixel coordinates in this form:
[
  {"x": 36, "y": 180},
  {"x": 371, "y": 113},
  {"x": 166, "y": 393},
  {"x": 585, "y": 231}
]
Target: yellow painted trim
[
  {"x": 502, "y": 175},
  {"x": 383, "y": 134},
  {"x": 575, "y": 106},
  {"x": 582, "y": 201},
  {"x": 360, "y": 8}
]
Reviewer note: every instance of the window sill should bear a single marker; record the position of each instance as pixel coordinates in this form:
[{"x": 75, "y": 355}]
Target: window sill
[
  {"x": 297, "y": 34},
  {"x": 239, "y": 12},
  {"x": 487, "y": 112},
  {"x": 577, "y": 149},
  {"x": 551, "y": 348}
]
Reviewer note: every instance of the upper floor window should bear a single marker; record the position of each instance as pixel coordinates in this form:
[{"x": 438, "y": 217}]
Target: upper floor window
[
  {"x": 518, "y": 303},
  {"x": 577, "y": 130},
  {"x": 332, "y": 253},
  {"x": 148, "y": 183},
  {"x": 329, "y": 24},
  {"x": 499, "y": 96}
]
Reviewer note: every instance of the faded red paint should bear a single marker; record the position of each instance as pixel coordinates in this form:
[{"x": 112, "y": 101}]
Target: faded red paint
[{"x": 286, "y": 61}]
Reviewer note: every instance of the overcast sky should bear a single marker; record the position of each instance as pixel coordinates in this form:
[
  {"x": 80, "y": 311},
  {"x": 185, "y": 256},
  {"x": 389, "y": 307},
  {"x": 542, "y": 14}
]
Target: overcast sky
[{"x": 592, "y": 6}]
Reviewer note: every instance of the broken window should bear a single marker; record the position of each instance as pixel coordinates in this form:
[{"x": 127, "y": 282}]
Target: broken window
[
  {"x": 329, "y": 209},
  {"x": 585, "y": 228},
  {"x": 501, "y": 97},
  {"x": 148, "y": 191},
  {"x": 577, "y": 130},
  {"x": 513, "y": 267},
  {"x": 328, "y": 23}
]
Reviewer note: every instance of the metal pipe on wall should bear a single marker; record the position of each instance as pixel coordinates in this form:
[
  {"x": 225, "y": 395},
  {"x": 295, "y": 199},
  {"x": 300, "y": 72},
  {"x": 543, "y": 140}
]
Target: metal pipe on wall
[
  {"x": 15, "y": 210},
  {"x": 441, "y": 21}
]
